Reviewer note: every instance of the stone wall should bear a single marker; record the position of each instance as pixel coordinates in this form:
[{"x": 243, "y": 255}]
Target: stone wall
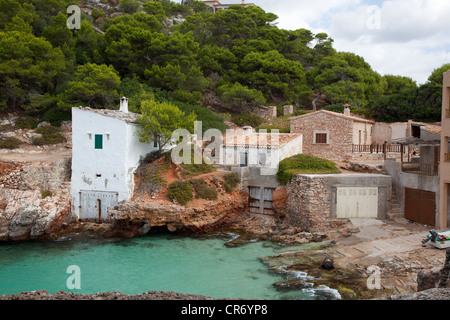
[
  {"x": 267, "y": 113},
  {"x": 339, "y": 129},
  {"x": 35, "y": 176},
  {"x": 311, "y": 203}
]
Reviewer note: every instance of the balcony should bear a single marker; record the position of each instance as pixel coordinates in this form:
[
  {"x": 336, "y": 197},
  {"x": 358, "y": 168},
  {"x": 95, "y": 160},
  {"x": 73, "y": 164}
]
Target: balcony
[{"x": 427, "y": 169}]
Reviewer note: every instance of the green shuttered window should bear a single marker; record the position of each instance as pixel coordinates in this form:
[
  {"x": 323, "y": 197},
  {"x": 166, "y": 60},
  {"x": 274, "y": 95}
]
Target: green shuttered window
[{"x": 98, "y": 141}]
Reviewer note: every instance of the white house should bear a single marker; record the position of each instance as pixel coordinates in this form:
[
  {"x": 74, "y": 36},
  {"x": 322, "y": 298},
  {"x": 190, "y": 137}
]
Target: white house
[
  {"x": 105, "y": 153},
  {"x": 260, "y": 150}
]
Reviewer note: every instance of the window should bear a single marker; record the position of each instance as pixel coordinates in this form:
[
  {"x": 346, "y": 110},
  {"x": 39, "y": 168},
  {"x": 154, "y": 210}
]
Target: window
[
  {"x": 98, "y": 141},
  {"x": 155, "y": 144},
  {"x": 321, "y": 138}
]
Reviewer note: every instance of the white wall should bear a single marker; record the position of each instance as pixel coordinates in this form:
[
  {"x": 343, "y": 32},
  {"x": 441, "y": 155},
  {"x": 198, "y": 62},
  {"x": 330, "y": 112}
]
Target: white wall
[
  {"x": 366, "y": 132},
  {"x": 109, "y": 169},
  {"x": 231, "y": 155}
]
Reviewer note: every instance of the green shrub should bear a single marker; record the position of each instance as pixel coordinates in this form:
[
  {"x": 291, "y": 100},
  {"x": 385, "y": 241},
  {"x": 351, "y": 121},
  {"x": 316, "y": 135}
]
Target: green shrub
[
  {"x": 46, "y": 193},
  {"x": 231, "y": 181},
  {"x": 202, "y": 189},
  {"x": 57, "y": 115},
  {"x": 270, "y": 128},
  {"x": 10, "y": 143},
  {"x": 304, "y": 164},
  {"x": 181, "y": 191},
  {"x": 26, "y": 123},
  {"x": 50, "y": 135},
  {"x": 192, "y": 169},
  {"x": 97, "y": 13},
  {"x": 247, "y": 119}
]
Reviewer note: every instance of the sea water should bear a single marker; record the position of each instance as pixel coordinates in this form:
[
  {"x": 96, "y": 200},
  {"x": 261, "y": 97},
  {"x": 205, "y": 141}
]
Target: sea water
[{"x": 160, "y": 262}]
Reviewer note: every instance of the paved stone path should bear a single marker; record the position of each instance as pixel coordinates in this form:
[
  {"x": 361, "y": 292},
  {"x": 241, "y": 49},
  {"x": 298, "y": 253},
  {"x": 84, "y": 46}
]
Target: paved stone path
[
  {"x": 382, "y": 247},
  {"x": 377, "y": 240}
]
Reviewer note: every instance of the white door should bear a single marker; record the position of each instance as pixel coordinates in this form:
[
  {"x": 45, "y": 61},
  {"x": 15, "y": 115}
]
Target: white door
[
  {"x": 94, "y": 205},
  {"x": 357, "y": 202}
]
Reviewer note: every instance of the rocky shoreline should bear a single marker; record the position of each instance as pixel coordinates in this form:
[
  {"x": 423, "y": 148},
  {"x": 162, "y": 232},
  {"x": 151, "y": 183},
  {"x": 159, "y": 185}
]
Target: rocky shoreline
[{"x": 62, "y": 295}]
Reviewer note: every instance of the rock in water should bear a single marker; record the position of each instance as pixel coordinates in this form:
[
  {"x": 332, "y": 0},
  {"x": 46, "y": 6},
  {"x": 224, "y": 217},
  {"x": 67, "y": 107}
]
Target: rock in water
[{"x": 327, "y": 264}]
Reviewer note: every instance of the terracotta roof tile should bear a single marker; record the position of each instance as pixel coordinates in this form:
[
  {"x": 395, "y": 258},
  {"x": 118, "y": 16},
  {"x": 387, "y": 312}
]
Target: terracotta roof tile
[
  {"x": 260, "y": 140},
  {"x": 354, "y": 118}
]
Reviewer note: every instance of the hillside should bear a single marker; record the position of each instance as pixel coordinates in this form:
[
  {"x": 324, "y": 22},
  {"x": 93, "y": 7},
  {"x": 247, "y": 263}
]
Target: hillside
[{"x": 230, "y": 62}]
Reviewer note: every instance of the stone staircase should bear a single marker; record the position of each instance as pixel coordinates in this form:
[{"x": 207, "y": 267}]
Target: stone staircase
[
  {"x": 63, "y": 194},
  {"x": 395, "y": 210}
]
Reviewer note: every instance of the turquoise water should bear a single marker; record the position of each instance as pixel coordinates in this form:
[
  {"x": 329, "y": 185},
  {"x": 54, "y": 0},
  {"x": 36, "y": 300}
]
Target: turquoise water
[{"x": 156, "y": 262}]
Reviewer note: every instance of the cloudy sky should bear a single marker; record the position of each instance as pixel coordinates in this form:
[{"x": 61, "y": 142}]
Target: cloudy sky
[{"x": 402, "y": 37}]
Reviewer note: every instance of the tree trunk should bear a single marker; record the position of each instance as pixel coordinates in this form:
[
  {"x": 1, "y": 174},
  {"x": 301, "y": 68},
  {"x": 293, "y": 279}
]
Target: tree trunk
[{"x": 315, "y": 101}]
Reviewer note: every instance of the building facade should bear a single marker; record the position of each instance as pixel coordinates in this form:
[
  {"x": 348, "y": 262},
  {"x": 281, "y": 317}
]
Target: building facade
[
  {"x": 105, "y": 153},
  {"x": 332, "y": 135},
  {"x": 247, "y": 149},
  {"x": 444, "y": 173}
]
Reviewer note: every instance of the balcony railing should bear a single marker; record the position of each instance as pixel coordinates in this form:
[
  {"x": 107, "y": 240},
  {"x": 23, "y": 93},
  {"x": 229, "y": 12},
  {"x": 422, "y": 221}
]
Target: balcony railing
[
  {"x": 376, "y": 148},
  {"x": 427, "y": 169}
]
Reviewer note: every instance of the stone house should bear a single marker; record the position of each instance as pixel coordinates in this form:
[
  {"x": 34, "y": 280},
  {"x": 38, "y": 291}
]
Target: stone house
[
  {"x": 105, "y": 153},
  {"x": 332, "y": 135}
]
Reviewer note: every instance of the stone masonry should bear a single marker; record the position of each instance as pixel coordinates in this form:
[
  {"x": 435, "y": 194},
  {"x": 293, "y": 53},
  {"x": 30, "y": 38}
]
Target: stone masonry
[
  {"x": 340, "y": 135},
  {"x": 311, "y": 203}
]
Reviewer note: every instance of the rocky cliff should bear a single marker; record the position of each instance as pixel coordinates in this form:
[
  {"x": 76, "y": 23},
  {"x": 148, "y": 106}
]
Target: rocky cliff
[
  {"x": 34, "y": 199},
  {"x": 198, "y": 216}
]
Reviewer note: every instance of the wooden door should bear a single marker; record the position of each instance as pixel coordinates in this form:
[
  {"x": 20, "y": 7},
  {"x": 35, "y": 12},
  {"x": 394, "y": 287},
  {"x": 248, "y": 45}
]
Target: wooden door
[
  {"x": 261, "y": 200},
  {"x": 420, "y": 206}
]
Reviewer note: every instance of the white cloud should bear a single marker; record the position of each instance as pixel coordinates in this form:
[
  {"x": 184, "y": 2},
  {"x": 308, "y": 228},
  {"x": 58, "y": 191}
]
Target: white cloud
[
  {"x": 409, "y": 38},
  {"x": 412, "y": 37}
]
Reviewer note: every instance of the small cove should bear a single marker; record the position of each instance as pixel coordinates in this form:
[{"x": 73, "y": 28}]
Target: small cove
[{"x": 160, "y": 262}]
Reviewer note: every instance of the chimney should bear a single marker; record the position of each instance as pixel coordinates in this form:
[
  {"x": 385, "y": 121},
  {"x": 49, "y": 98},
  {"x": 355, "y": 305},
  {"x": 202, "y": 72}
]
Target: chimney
[
  {"x": 247, "y": 130},
  {"x": 347, "y": 110},
  {"x": 124, "y": 105}
]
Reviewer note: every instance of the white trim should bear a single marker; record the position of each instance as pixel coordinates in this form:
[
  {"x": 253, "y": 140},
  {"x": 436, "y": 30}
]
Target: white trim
[{"x": 315, "y": 132}]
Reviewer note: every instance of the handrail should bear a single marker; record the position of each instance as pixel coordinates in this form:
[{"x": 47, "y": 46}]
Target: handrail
[{"x": 420, "y": 168}]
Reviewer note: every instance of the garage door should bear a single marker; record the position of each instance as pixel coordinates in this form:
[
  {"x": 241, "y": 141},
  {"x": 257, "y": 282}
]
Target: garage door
[
  {"x": 94, "y": 205},
  {"x": 420, "y": 206},
  {"x": 357, "y": 202},
  {"x": 261, "y": 200}
]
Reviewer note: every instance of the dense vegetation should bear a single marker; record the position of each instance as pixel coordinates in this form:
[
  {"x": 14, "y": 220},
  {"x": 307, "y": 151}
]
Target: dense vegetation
[
  {"x": 182, "y": 54},
  {"x": 304, "y": 164}
]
